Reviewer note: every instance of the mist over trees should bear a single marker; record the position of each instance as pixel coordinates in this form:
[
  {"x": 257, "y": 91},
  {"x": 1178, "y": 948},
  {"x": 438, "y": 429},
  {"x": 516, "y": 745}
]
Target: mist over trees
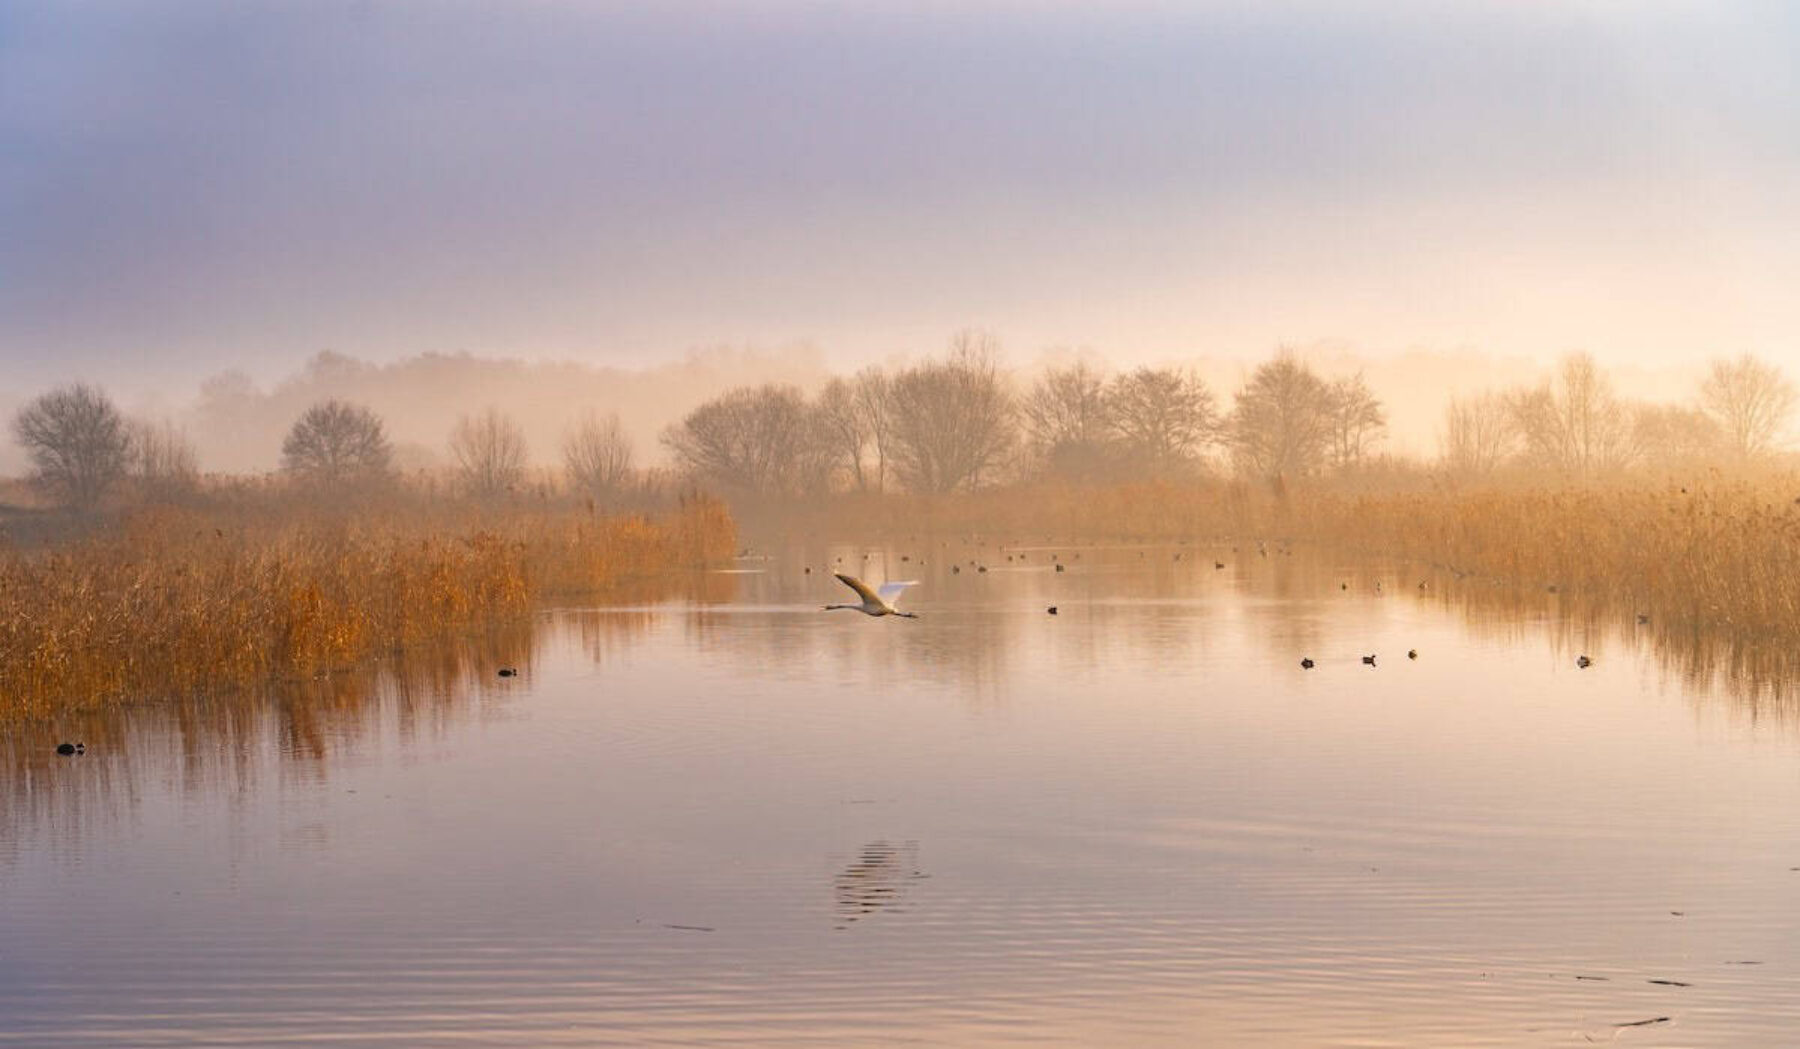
[
  {"x": 1067, "y": 420},
  {"x": 956, "y": 421},
  {"x": 162, "y": 459},
  {"x": 961, "y": 422},
  {"x": 598, "y": 456},
  {"x": 1162, "y": 418},
  {"x": 1355, "y": 420},
  {"x": 1280, "y": 425},
  {"x": 952, "y": 419},
  {"x": 490, "y": 453},
  {"x": 335, "y": 443},
  {"x": 238, "y": 423},
  {"x": 78, "y": 442},
  {"x": 765, "y": 441},
  {"x": 1573, "y": 425},
  {"x": 1478, "y": 436},
  {"x": 1673, "y": 436},
  {"x": 1749, "y": 401}
]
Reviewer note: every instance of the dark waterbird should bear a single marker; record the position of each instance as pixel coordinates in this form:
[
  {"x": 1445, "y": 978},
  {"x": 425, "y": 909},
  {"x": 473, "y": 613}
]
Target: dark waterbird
[
  {"x": 1583, "y": 662},
  {"x": 1412, "y": 653},
  {"x": 1368, "y": 661},
  {"x": 1307, "y": 663},
  {"x": 66, "y": 749},
  {"x": 1051, "y": 610},
  {"x": 509, "y": 671}
]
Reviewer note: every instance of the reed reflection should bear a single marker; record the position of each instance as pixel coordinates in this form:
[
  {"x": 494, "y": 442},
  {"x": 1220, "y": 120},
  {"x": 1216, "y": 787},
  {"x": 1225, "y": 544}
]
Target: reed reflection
[
  {"x": 1148, "y": 605},
  {"x": 1280, "y": 598},
  {"x": 1724, "y": 663},
  {"x": 226, "y": 744}
]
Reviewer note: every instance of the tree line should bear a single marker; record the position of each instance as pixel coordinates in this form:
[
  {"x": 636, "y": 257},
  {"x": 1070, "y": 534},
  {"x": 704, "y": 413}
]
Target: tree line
[
  {"x": 1574, "y": 426},
  {"x": 82, "y": 448},
  {"x": 956, "y": 423},
  {"x": 959, "y": 422}
]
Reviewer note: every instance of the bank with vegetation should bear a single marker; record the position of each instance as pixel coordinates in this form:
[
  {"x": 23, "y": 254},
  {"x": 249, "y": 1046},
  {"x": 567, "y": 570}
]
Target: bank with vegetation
[{"x": 176, "y": 579}]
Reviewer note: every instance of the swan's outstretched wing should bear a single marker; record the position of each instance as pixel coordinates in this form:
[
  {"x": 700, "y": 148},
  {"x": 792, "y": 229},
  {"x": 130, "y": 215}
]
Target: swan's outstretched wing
[
  {"x": 861, "y": 588},
  {"x": 890, "y": 592}
]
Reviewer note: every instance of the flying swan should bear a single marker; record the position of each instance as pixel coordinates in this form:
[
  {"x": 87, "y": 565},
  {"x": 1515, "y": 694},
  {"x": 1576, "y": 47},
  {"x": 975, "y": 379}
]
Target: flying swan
[{"x": 875, "y": 602}]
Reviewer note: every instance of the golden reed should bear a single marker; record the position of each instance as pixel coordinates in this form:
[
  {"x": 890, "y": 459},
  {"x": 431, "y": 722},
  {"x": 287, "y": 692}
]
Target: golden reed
[
  {"x": 1721, "y": 555},
  {"x": 177, "y": 601}
]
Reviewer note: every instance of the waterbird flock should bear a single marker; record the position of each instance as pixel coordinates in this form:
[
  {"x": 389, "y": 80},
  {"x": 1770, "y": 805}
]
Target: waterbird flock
[{"x": 880, "y": 602}]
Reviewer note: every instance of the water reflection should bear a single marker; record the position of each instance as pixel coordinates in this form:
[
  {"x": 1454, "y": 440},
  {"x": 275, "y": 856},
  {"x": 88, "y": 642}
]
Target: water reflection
[
  {"x": 1153, "y": 605},
  {"x": 699, "y": 822},
  {"x": 1755, "y": 677},
  {"x": 876, "y": 880}
]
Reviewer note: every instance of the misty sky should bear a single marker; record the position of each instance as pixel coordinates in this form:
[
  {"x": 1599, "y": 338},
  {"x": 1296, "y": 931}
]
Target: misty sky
[{"x": 190, "y": 186}]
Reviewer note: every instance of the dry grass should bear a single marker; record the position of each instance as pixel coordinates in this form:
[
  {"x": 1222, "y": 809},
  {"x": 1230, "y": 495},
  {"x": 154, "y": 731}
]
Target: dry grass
[
  {"x": 1720, "y": 555},
  {"x": 180, "y": 601}
]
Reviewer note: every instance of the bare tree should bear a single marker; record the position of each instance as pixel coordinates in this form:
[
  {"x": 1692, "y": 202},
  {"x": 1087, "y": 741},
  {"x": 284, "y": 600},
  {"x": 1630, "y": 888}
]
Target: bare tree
[
  {"x": 597, "y": 455},
  {"x": 334, "y": 442},
  {"x": 844, "y": 427},
  {"x": 77, "y": 442},
  {"x": 1280, "y": 426},
  {"x": 1066, "y": 406},
  {"x": 1355, "y": 418},
  {"x": 1067, "y": 421},
  {"x": 1751, "y": 401},
  {"x": 762, "y": 440},
  {"x": 490, "y": 452},
  {"x": 1573, "y": 424},
  {"x": 1162, "y": 417},
  {"x": 875, "y": 401},
  {"x": 163, "y": 460},
  {"x": 1478, "y": 435},
  {"x": 952, "y": 419}
]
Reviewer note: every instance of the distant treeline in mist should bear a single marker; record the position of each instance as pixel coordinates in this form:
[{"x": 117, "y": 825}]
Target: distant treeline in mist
[
  {"x": 960, "y": 423},
  {"x": 956, "y": 422}
]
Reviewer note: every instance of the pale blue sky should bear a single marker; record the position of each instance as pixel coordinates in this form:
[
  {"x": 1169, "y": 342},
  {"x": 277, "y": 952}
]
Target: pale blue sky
[{"x": 188, "y": 186}]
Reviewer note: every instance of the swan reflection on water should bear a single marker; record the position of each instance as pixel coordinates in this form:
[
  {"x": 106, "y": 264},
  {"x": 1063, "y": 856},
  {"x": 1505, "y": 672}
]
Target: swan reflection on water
[{"x": 876, "y": 880}]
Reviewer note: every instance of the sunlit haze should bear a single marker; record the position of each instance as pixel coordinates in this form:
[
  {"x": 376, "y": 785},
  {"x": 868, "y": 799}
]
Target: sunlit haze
[
  {"x": 192, "y": 187},
  {"x": 970, "y": 523}
]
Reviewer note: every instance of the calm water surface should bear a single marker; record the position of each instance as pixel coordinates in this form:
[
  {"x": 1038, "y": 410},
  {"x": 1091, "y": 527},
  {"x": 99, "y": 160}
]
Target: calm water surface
[{"x": 745, "y": 821}]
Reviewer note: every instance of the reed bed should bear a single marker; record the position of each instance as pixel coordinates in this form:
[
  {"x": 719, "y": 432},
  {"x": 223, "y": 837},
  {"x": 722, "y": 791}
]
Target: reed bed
[
  {"x": 180, "y": 601},
  {"x": 1718, "y": 555},
  {"x": 1715, "y": 558}
]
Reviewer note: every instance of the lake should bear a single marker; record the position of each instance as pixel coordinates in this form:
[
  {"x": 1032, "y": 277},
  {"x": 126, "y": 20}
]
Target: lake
[{"x": 736, "y": 819}]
